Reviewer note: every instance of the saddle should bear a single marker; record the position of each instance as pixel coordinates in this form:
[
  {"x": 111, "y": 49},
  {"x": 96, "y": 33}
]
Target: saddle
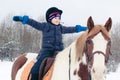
[
  {"x": 45, "y": 71},
  {"x": 46, "y": 68}
]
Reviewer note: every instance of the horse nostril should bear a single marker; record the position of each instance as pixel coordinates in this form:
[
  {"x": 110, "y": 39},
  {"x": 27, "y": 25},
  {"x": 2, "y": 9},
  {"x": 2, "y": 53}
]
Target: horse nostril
[
  {"x": 104, "y": 71},
  {"x": 93, "y": 70}
]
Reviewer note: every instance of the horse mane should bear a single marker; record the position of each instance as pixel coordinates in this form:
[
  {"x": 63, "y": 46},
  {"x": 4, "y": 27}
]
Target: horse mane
[
  {"x": 81, "y": 41},
  {"x": 80, "y": 44}
]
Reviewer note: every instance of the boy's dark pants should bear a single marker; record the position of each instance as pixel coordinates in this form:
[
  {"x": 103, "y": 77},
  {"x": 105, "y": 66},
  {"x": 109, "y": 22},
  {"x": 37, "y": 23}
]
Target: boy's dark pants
[{"x": 35, "y": 68}]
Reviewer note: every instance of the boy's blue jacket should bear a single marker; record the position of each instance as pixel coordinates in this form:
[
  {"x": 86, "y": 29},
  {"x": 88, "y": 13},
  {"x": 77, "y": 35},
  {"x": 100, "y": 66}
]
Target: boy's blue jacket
[{"x": 52, "y": 34}]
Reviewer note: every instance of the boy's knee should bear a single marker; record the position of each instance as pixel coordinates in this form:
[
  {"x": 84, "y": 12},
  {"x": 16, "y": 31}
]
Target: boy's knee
[{"x": 34, "y": 71}]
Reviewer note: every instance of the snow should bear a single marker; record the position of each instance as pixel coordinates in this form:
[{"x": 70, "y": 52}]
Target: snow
[
  {"x": 114, "y": 75},
  {"x": 5, "y": 72}
]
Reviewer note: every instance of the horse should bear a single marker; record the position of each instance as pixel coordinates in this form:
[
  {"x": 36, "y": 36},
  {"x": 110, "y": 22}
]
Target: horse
[{"x": 84, "y": 59}]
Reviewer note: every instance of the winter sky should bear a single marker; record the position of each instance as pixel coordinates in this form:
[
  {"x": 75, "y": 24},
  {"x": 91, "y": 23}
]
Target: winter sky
[{"x": 74, "y": 11}]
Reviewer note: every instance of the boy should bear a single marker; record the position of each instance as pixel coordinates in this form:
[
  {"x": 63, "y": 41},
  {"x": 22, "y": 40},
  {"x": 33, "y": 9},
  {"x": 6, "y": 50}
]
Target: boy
[{"x": 52, "y": 32}]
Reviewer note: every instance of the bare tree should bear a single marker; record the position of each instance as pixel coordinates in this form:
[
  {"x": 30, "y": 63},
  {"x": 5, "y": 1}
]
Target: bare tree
[
  {"x": 115, "y": 33},
  {"x": 16, "y": 38}
]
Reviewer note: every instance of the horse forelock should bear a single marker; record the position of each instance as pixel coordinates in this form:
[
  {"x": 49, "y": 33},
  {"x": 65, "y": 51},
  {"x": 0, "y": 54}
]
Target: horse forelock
[{"x": 99, "y": 28}]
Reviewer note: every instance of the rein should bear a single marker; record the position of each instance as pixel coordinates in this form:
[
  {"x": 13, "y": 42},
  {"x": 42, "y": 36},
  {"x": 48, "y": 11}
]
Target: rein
[{"x": 69, "y": 64}]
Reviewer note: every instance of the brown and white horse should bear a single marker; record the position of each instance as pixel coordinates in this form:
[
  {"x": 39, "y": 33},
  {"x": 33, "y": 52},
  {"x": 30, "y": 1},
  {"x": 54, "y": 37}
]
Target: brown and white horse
[{"x": 84, "y": 59}]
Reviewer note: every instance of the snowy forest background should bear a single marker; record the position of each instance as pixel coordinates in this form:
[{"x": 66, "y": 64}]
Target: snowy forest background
[{"x": 16, "y": 39}]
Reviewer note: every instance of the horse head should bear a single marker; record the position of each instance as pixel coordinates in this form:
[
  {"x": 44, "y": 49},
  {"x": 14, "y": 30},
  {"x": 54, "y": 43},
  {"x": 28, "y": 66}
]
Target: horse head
[{"x": 97, "y": 48}]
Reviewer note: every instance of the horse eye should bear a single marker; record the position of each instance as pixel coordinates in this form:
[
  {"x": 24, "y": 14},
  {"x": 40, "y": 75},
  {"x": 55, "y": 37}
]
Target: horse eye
[
  {"x": 104, "y": 72},
  {"x": 109, "y": 43},
  {"x": 93, "y": 70},
  {"x": 89, "y": 41}
]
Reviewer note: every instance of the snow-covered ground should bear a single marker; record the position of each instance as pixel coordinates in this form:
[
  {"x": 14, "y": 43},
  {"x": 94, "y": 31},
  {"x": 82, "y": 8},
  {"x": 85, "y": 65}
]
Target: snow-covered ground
[
  {"x": 114, "y": 75},
  {"x": 5, "y": 72}
]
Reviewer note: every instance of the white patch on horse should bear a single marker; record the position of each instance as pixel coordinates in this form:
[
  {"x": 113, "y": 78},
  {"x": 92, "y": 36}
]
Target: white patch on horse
[
  {"x": 61, "y": 66},
  {"x": 84, "y": 59},
  {"x": 61, "y": 69},
  {"x": 99, "y": 59},
  {"x": 99, "y": 43}
]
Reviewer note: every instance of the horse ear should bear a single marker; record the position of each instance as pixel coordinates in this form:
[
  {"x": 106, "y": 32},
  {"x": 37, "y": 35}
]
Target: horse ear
[
  {"x": 90, "y": 23},
  {"x": 108, "y": 24}
]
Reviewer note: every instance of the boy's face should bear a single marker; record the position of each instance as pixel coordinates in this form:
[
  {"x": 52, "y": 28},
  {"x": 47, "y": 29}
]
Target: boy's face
[{"x": 56, "y": 20}]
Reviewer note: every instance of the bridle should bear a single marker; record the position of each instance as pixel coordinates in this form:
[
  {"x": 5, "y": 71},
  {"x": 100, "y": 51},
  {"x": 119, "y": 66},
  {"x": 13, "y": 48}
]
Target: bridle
[{"x": 90, "y": 54}]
